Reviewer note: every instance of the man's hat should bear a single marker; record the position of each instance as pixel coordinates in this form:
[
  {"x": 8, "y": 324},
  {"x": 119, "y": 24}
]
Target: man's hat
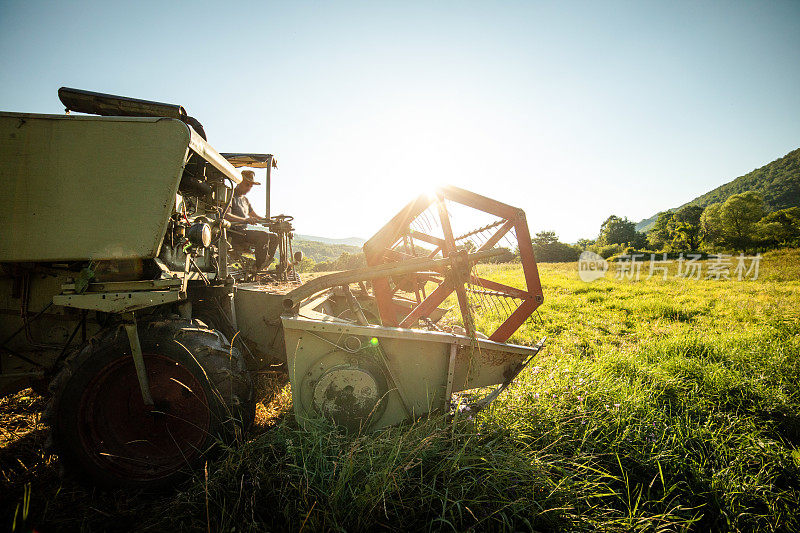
[{"x": 250, "y": 177}]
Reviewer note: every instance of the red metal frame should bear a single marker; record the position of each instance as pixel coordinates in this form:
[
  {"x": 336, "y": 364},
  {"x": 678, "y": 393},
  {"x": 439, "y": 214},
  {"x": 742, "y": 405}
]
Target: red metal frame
[{"x": 381, "y": 248}]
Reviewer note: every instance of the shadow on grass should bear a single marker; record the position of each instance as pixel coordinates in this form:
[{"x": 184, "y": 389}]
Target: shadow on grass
[{"x": 66, "y": 503}]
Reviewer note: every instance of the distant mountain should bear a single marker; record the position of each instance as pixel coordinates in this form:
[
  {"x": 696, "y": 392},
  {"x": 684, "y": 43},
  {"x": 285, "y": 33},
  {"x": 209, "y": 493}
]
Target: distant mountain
[
  {"x": 350, "y": 241},
  {"x": 778, "y": 182}
]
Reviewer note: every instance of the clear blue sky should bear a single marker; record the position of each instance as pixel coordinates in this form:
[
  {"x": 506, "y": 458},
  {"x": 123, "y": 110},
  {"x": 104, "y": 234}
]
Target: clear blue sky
[{"x": 570, "y": 110}]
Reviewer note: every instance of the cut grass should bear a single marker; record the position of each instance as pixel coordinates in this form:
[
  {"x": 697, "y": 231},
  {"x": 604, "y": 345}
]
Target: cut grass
[{"x": 656, "y": 406}]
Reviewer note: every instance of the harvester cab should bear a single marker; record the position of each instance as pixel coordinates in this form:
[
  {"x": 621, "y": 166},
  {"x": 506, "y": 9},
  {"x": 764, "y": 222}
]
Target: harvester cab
[
  {"x": 119, "y": 286},
  {"x": 278, "y": 227}
]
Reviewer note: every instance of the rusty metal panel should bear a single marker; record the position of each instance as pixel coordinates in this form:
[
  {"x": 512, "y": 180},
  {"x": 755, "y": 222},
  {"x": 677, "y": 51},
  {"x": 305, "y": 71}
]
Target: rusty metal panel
[
  {"x": 78, "y": 188},
  {"x": 251, "y": 160}
]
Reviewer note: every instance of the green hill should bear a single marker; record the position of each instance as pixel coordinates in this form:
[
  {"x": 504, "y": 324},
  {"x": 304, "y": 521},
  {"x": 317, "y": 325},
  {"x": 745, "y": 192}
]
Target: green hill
[
  {"x": 350, "y": 241},
  {"x": 322, "y": 251},
  {"x": 778, "y": 182}
]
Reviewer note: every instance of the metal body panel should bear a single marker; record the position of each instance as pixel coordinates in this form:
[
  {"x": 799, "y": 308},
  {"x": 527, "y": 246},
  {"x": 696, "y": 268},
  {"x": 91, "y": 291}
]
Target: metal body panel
[
  {"x": 416, "y": 364},
  {"x": 258, "y": 315},
  {"x": 118, "y": 302},
  {"x": 44, "y": 338},
  {"x": 77, "y": 188},
  {"x": 207, "y": 152}
]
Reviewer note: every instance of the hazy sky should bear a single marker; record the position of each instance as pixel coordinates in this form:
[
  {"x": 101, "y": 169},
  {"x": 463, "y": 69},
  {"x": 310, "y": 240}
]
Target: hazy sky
[{"x": 570, "y": 110}]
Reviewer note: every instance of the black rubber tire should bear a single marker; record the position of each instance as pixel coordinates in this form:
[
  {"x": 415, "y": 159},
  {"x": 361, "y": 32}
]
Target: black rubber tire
[
  {"x": 210, "y": 316},
  {"x": 203, "y": 355}
]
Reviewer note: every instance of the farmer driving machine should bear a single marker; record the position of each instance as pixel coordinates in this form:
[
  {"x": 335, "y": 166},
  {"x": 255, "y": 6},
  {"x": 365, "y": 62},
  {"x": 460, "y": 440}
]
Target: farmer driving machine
[{"x": 121, "y": 293}]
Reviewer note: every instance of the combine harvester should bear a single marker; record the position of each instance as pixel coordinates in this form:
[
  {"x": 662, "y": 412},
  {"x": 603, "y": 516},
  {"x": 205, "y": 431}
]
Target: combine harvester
[{"x": 119, "y": 288}]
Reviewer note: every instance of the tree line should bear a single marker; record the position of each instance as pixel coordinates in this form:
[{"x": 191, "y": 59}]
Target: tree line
[
  {"x": 345, "y": 261},
  {"x": 739, "y": 224}
]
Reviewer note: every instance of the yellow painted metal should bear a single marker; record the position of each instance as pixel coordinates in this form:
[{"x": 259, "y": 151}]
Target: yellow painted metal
[{"x": 77, "y": 188}]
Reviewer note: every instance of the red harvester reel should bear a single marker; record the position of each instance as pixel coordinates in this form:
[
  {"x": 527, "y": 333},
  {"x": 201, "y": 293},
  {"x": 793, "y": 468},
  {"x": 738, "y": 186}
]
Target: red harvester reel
[{"x": 425, "y": 228}]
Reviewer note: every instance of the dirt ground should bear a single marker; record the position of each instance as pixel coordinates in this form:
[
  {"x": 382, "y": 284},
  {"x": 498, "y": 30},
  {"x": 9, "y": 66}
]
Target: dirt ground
[{"x": 36, "y": 496}]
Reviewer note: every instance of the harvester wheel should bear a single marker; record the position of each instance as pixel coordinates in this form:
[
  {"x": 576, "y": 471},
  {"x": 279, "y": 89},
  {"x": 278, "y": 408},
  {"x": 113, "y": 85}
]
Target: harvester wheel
[{"x": 102, "y": 428}]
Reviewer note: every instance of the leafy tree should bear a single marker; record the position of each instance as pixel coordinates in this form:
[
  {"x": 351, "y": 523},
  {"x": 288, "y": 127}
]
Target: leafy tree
[
  {"x": 507, "y": 257},
  {"x": 609, "y": 250},
  {"x": 306, "y": 265},
  {"x": 544, "y": 238},
  {"x": 686, "y": 232},
  {"x": 320, "y": 251},
  {"x": 739, "y": 215},
  {"x": 547, "y": 248},
  {"x": 734, "y": 224},
  {"x": 711, "y": 225},
  {"x": 780, "y": 228},
  {"x": 661, "y": 235},
  {"x": 616, "y": 230},
  {"x": 346, "y": 261},
  {"x": 677, "y": 230},
  {"x": 584, "y": 244}
]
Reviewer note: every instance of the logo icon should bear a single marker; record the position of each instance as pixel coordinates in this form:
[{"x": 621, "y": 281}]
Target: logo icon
[{"x": 591, "y": 266}]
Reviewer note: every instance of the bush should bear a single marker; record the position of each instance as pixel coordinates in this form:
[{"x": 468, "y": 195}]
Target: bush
[
  {"x": 608, "y": 250},
  {"x": 306, "y": 265},
  {"x": 644, "y": 255},
  {"x": 548, "y": 249},
  {"x": 557, "y": 252},
  {"x": 507, "y": 257},
  {"x": 346, "y": 261}
]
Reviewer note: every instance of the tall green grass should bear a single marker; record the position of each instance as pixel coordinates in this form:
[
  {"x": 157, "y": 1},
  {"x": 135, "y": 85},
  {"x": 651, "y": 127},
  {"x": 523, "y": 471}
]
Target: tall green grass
[{"x": 657, "y": 406}]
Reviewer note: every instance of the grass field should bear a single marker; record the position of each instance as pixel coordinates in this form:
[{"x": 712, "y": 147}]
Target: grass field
[{"x": 656, "y": 406}]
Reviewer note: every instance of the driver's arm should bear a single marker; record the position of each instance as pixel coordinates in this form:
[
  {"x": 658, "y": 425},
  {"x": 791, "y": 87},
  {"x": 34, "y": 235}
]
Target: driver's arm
[
  {"x": 254, "y": 217},
  {"x": 235, "y": 219}
]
